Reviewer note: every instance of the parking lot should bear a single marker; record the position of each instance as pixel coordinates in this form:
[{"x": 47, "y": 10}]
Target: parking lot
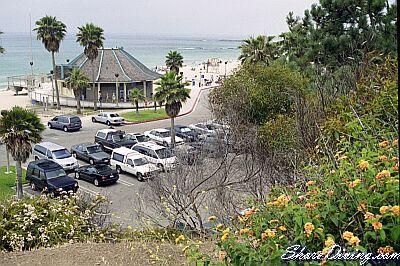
[{"x": 123, "y": 194}]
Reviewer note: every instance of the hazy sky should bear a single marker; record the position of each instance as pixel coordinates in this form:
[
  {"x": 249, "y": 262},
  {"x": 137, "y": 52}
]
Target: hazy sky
[{"x": 169, "y": 17}]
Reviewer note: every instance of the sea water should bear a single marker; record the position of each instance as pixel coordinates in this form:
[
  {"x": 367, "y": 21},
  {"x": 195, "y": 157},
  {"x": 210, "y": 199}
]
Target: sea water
[{"x": 150, "y": 50}]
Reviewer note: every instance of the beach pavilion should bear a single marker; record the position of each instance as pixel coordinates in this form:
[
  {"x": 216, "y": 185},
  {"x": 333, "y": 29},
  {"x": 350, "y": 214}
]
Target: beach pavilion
[{"x": 116, "y": 74}]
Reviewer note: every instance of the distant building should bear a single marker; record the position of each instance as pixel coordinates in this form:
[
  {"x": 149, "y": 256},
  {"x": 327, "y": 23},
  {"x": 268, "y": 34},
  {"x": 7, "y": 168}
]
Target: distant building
[{"x": 116, "y": 74}]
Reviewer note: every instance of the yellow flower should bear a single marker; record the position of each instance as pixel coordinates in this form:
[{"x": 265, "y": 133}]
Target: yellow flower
[
  {"x": 308, "y": 228},
  {"x": 395, "y": 142},
  {"x": 282, "y": 200},
  {"x": 354, "y": 241},
  {"x": 282, "y": 228},
  {"x": 273, "y": 221},
  {"x": 330, "y": 192},
  {"x": 382, "y": 158},
  {"x": 395, "y": 210},
  {"x": 361, "y": 207},
  {"x": 363, "y": 165},
  {"x": 382, "y": 174},
  {"x": 244, "y": 231},
  {"x": 384, "y": 209},
  {"x": 226, "y": 231},
  {"x": 310, "y": 206},
  {"x": 384, "y": 143},
  {"x": 310, "y": 183},
  {"x": 179, "y": 239},
  {"x": 369, "y": 216},
  {"x": 377, "y": 225},
  {"x": 224, "y": 237},
  {"x": 355, "y": 183},
  {"x": 222, "y": 255},
  {"x": 347, "y": 235},
  {"x": 329, "y": 242},
  {"x": 219, "y": 227},
  {"x": 395, "y": 159},
  {"x": 212, "y": 218},
  {"x": 270, "y": 233},
  {"x": 387, "y": 249}
]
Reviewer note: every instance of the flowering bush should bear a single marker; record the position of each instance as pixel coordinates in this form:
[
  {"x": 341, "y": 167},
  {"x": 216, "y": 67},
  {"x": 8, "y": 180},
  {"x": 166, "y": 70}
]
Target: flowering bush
[{"x": 45, "y": 222}]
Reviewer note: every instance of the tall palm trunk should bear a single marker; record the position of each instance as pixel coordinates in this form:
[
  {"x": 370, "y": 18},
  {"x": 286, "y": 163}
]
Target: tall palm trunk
[
  {"x": 19, "y": 179},
  {"x": 94, "y": 88},
  {"x": 55, "y": 81},
  {"x": 172, "y": 132},
  {"x": 78, "y": 95},
  {"x": 137, "y": 107}
]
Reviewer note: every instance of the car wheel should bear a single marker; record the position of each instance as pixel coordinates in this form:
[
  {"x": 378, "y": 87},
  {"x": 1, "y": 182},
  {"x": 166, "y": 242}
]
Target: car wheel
[
  {"x": 118, "y": 168},
  {"x": 94, "y": 120},
  {"x": 77, "y": 175},
  {"x": 36, "y": 158},
  {"x": 49, "y": 124},
  {"x": 52, "y": 194},
  {"x": 73, "y": 154},
  {"x": 91, "y": 161},
  {"x": 96, "y": 182},
  {"x": 161, "y": 167},
  {"x": 65, "y": 129},
  {"x": 108, "y": 123},
  {"x": 33, "y": 186},
  {"x": 139, "y": 177},
  {"x": 165, "y": 144}
]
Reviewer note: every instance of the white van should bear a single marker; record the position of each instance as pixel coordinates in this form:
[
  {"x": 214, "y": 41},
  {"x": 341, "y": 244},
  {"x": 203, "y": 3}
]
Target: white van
[
  {"x": 159, "y": 155},
  {"x": 56, "y": 153},
  {"x": 127, "y": 160}
]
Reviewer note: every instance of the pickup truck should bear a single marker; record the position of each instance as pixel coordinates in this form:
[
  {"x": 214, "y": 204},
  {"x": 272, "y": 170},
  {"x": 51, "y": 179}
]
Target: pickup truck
[
  {"x": 127, "y": 160},
  {"x": 110, "y": 139}
]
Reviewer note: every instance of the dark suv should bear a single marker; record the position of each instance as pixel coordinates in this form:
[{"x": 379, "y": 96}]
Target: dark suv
[
  {"x": 65, "y": 122},
  {"x": 46, "y": 175},
  {"x": 110, "y": 139}
]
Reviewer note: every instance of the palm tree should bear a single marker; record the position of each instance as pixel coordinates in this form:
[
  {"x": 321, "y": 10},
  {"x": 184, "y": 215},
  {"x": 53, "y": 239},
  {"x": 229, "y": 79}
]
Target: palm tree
[
  {"x": 51, "y": 32},
  {"x": 174, "y": 61},
  {"x": 173, "y": 93},
  {"x": 1, "y": 48},
  {"x": 91, "y": 37},
  {"x": 19, "y": 128},
  {"x": 136, "y": 97},
  {"x": 77, "y": 81},
  {"x": 259, "y": 49}
]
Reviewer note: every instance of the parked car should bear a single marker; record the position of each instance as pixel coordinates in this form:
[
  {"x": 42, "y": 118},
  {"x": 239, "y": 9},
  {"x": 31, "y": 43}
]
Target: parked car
[
  {"x": 186, "y": 153},
  {"x": 211, "y": 146},
  {"x": 99, "y": 174},
  {"x": 203, "y": 128},
  {"x": 108, "y": 118},
  {"x": 133, "y": 162},
  {"x": 65, "y": 122},
  {"x": 110, "y": 139},
  {"x": 185, "y": 133},
  {"x": 56, "y": 153},
  {"x": 49, "y": 176},
  {"x": 159, "y": 155},
  {"x": 162, "y": 136},
  {"x": 138, "y": 137},
  {"x": 90, "y": 152}
]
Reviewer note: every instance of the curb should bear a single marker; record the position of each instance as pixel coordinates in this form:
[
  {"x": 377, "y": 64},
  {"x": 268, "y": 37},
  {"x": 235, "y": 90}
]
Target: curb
[{"x": 186, "y": 113}]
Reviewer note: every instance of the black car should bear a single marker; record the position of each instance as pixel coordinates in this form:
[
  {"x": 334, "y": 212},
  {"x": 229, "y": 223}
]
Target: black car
[
  {"x": 49, "y": 176},
  {"x": 99, "y": 174},
  {"x": 110, "y": 139},
  {"x": 90, "y": 152},
  {"x": 186, "y": 133},
  {"x": 65, "y": 122}
]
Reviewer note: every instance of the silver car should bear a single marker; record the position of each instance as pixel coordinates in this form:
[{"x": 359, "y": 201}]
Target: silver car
[{"x": 108, "y": 118}]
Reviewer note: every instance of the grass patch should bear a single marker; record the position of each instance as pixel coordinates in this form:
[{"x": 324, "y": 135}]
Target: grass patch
[
  {"x": 144, "y": 115},
  {"x": 8, "y": 182}
]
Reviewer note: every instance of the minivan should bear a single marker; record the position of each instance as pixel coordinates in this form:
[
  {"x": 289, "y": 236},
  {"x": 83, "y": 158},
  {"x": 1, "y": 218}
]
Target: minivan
[
  {"x": 56, "y": 153},
  {"x": 65, "y": 122},
  {"x": 159, "y": 155}
]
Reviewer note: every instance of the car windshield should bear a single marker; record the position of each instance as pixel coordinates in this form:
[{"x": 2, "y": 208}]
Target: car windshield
[
  {"x": 94, "y": 149},
  {"x": 140, "y": 161},
  {"x": 114, "y": 115},
  {"x": 102, "y": 168},
  {"x": 55, "y": 174},
  {"x": 61, "y": 154},
  {"x": 142, "y": 138},
  {"x": 165, "y": 134},
  {"x": 118, "y": 137},
  {"x": 164, "y": 153},
  {"x": 75, "y": 120},
  {"x": 185, "y": 129}
]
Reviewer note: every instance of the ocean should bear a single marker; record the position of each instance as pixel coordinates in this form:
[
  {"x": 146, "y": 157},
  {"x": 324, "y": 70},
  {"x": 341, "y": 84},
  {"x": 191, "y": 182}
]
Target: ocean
[{"x": 150, "y": 50}]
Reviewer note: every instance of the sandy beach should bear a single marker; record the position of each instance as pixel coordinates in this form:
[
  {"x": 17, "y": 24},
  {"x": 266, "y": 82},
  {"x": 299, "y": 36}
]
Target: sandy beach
[{"x": 9, "y": 100}]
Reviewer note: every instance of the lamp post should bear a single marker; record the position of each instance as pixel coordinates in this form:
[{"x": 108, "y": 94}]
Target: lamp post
[
  {"x": 32, "y": 80},
  {"x": 116, "y": 87},
  {"x": 226, "y": 62},
  {"x": 155, "y": 102},
  {"x": 52, "y": 87}
]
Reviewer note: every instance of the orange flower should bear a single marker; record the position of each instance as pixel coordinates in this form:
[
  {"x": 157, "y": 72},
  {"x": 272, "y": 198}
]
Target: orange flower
[
  {"x": 310, "y": 183},
  {"x": 377, "y": 225},
  {"x": 369, "y": 216},
  {"x": 361, "y": 207},
  {"x": 347, "y": 235},
  {"x": 363, "y": 165},
  {"x": 354, "y": 183},
  {"x": 395, "y": 210},
  {"x": 282, "y": 228},
  {"x": 384, "y": 209},
  {"x": 248, "y": 213},
  {"x": 244, "y": 231},
  {"x": 382, "y": 174},
  {"x": 308, "y": 228},
  {"x": 395, "y": 159},
  {"x": 354, "y": 241},
  {"x": 395, "y": 142},
  {"x": 330, "y": 192},
  {"x": 382, "y": 158},
  {"x": 310, "y": 206},
  {"x": 384, "y": 143},
  {"x": 222, "y": 255},
  {"x": 396, "y": 167},
  {"x": 212, "y": 218},
  {"x": 387, "y": 249}
]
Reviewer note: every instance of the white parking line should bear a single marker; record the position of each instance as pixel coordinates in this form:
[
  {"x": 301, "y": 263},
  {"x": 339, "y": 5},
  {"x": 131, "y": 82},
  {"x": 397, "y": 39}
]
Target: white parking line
[
  {"x": 125, "y": 183},
  {"x": 94, "y": 193}
]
